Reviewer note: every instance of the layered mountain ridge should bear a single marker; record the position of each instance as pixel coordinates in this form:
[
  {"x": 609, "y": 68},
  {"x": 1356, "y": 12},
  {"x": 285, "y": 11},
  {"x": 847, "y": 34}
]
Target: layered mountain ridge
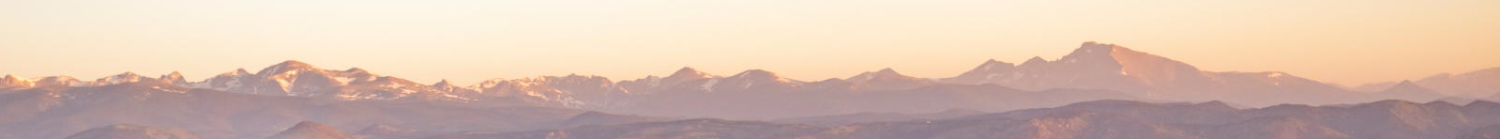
[
  {"x": 1104, "y": 69},
  {"x": 1478, "y": 83},
  {"x": 58, "y": 112},
  {"x": 1391, "y": 119}
]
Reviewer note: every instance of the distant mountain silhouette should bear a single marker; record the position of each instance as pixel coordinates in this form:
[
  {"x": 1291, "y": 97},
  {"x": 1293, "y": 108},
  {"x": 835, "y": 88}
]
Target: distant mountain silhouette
[
  {"x": 1393, "y": 119},
  {"x": 128, "y": 131},
  {"x": 311, "y": 130},
  {"x": 57, "y": 112},
  {"x": 1474, "y": 83}
]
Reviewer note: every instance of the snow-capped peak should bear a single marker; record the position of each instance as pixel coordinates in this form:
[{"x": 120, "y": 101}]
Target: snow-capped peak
[
  {"x": 760, "y": 75},
  {"x": 285, "y": 67},
  {"x": 887, "y": 71},
  {"x": 13, "y": 81},
  {"x": 357, "y": 70},
  {"x": 443, "y": 83},
  {"x": 993, "y": 64},
  {"x": 174, "y": 74},
  {"x": 689, "y": 72},
  {"x": 236, "y": 72},
  {"x": 756, "y": 73},
  {"x": 59, "y": 81},
  {"x": 882, "y": 73},
  {"x": 173, "y": 78},
  {"x": 9, "y": 77},
  {"x": 127, "y": 77}
]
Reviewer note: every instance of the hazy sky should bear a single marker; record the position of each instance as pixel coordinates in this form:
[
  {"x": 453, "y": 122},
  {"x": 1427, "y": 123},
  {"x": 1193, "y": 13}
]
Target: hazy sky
[{"x": 1340, "y": 41}]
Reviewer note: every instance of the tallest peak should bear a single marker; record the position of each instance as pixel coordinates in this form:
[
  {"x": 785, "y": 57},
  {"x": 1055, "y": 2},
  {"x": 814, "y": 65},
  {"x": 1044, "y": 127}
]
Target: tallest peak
[
  {"x": 1097, "y": 44},
  {"x": 1103, "y": 48},
  {"x": 309, "y": 129},
  {"x": 888, "y": 72},
  {"x": 686, "y": 69},
  {"x": 293, "y": 63},
  {"x": 1089, "y": 47}
]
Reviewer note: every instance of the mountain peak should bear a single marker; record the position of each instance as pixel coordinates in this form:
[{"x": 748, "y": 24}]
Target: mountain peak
[
  {"x": 1407, "y": 86},
  {"x": 887, "y": 71},
  {"x": 13, "y": 81},
  {"x": 59, "y": 78},
  {"x": 1406, "y": 83},
  {"x": 442, "y": 83},
  {"x": 356, "y": 70},
  {"x": 1102, "y": 47},
  {"x": 992, "y": 64},
  {"x": 174, "y": 77},
  {"x": 126, "y": 75},
  {"x": 236, "y": 72},
  {"x": 1214, "y": 104},
  {"x": 756, "y": 73},
  {"x": 882, "y": 73},
  {"x": 1035, "y": 60},
  {"x": 286, "y": 66},
  {"x": 688, "y": 72},
  {"x": 294, "y": 63},
  {"x": 1093, "y": 51},
  {"x": 311, "y": 130},
  {"x": 129, "y": 131},
  {"x": 174, "y": 74}
]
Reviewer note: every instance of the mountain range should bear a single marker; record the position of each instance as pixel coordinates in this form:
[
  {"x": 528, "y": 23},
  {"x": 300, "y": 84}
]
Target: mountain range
[
  {"x": 118, "y": 111},
  {"x": 1097, "y": 91},
  {"x": 1093, "y": 71}
]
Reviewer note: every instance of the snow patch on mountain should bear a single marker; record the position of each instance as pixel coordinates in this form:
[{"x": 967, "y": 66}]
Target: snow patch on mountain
[{"x": 709, "y": 86}]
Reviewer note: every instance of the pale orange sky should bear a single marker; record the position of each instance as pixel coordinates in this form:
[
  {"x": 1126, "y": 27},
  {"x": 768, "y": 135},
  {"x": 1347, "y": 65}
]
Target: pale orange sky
[{"x": 1341, "y": 41}]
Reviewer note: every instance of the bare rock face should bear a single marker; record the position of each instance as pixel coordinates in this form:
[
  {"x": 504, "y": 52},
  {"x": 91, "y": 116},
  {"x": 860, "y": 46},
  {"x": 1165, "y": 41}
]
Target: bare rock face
[
  {"x": 311, "y": 130},
  {"x": 128, "y": 131}
]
